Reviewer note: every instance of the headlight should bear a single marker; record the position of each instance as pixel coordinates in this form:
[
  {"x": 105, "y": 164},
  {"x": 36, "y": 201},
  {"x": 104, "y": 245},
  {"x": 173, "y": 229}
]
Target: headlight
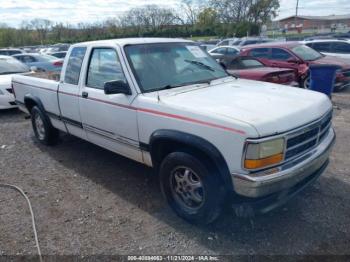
[{"x": 259, "y": 155}]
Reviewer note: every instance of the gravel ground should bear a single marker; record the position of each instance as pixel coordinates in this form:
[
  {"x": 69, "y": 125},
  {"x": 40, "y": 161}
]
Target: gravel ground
[{"x": 89, "y": 201}]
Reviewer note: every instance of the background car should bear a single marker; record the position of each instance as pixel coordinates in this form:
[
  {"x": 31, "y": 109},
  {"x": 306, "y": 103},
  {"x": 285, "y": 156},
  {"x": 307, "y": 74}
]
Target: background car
[
  {"x": 224, "y": 51},
  {"x": 9, "y": 67},
  {"x": 11, "y": 51},
  {"x": 44, "y": 63},
  {"x": 60, "y": 55},
  {"x": 250, "y": 68},
  {"x": 252, "y": 41},
  {"x": 297, "y": 56},
  {"x": 207, "y": 47},
  {"x": 333, "y": 47},
  {"x": 228, "y": 41}
]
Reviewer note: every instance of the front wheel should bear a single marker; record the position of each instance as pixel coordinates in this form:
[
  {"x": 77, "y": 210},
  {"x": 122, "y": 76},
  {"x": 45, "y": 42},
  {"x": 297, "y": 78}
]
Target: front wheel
[
  {"x": 44, "y": 132},
  {"x": 193, "y": 190},
  {"x": 305, "y": 83}
]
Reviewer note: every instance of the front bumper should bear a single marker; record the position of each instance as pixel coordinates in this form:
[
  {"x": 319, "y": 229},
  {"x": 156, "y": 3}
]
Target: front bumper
[{"x": 274, "y": 180}]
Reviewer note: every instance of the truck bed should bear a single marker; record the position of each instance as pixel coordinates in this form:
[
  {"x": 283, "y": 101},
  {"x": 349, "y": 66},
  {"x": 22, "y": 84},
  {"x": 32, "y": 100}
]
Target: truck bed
[{"x": 39, "y": 85}]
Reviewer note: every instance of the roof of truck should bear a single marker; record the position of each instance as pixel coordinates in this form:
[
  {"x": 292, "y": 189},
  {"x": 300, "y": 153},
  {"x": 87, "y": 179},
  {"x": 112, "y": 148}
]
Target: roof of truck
[{"x": 129, "y": 41}]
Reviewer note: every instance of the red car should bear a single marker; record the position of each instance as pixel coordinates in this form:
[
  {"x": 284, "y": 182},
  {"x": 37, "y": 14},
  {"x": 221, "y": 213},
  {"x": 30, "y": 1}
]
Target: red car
[
  {"x": 297, "y": 56},
  {"x": 251, "y": 68}
]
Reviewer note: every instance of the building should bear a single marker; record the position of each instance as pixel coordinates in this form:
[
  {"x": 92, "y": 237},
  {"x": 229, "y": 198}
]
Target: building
[{"x": 315, "y": 23}]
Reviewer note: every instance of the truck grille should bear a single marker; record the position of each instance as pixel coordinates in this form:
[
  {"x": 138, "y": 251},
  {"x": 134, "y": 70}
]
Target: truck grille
[{"x": 302, "y": 141}]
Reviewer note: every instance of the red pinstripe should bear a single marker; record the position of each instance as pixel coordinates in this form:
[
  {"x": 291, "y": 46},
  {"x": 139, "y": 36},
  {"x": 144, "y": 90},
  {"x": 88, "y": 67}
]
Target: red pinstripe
[{"x": 150, "y": 111}]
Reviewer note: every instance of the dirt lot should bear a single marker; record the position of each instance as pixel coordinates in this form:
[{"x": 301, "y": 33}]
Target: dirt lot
[{"x": 90, "y": 201}]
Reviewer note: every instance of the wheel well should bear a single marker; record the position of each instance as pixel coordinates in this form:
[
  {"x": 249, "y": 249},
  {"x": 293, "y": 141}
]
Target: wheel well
[
  {"x": 29, "y": 103},
  {"x": 161, "y": 148}
]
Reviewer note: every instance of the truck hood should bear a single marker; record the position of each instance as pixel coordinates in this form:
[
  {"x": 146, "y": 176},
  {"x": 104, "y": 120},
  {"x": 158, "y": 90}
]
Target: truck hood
[{"x": 269, "y": 108}]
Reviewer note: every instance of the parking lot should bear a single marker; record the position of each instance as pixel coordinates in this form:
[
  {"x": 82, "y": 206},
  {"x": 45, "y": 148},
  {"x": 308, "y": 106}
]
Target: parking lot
[{"x": 89, "y": 201}]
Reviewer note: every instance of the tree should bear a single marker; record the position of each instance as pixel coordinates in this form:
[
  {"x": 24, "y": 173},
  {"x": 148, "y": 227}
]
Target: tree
[
  {"x": 148, "y": 18},
  {"x": 263, "y": 10},
  {"x": 231, "y": 11},
  {"x": 190, "y": 10},
  {"x": 207, "y": 18},
  {"x": 42, "y": 26}
]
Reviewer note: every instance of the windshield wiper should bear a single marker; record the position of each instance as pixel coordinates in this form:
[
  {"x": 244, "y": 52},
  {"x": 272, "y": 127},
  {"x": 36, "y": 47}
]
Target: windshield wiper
[
  {"x": 200, "y": 64},
  {"x": 163, "y": 88}
]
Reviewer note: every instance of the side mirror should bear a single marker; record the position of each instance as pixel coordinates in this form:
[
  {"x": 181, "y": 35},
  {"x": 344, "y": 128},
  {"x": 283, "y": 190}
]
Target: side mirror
[
  {"x": 292, "y": 60},
  {"x": 117, "y": 87}
]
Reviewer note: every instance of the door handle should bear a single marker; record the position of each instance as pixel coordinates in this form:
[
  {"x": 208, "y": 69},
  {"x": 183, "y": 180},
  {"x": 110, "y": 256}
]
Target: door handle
[{"x": 85, "y": 94}]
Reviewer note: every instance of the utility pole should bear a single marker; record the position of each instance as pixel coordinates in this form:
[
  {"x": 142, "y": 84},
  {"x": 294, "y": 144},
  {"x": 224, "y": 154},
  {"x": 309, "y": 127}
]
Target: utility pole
[
  {"x": 296, "y": 9},
  {"x": 296, "y": 15}
]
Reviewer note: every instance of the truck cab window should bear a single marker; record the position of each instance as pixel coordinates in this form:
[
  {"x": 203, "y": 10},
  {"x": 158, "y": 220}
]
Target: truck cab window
[
  {"x": 104, "y": 66},
  {"x": 74, "y": 65}
]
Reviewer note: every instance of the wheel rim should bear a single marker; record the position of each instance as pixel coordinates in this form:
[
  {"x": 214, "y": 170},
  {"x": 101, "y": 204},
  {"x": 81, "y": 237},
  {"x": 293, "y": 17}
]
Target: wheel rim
[
  {"x": 307, "y": 83},
  {"x": 39, "y": 125},
  {"x": 187, "y": 188}
]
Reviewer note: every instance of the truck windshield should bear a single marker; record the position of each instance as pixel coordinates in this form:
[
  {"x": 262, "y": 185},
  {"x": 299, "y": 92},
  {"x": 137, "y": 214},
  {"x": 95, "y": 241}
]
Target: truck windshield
[
  {"x": 169, "y": 65},
  {"x": 306, "y": 53},
  {"x": 10, "y": 65}
]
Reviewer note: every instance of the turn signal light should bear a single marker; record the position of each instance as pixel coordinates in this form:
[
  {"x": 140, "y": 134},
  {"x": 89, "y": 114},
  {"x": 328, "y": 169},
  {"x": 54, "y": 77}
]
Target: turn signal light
[{"x": 264, "y": 162}]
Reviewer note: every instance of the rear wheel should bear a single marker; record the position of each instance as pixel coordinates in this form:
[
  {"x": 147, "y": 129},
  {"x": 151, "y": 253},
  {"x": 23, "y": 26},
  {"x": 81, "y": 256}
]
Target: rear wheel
[
  {"x": 44, "y": 132},
  {"x": 193, "y": 190}
]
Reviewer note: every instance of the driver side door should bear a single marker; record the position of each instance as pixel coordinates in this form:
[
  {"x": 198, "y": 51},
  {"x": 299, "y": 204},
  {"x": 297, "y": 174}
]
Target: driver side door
[{"x": 109, "y": 120}]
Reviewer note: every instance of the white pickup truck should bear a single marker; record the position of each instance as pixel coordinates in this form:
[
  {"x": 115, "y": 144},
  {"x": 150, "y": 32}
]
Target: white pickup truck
[{"x": 167, "y": 104}]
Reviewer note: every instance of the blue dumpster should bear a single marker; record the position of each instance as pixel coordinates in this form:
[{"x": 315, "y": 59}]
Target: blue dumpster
[{"x": 322, "y": 78}]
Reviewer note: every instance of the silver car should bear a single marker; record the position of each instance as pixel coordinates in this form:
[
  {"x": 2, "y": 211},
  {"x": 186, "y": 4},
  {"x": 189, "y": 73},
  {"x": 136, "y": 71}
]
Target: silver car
[{"x": 38, "y": 62}]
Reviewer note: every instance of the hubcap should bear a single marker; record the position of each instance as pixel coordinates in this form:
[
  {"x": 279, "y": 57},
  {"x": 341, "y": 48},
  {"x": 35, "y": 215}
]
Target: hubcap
[
  {"x": 187, "y": 188},
  {"x": 40, "y": 129}
]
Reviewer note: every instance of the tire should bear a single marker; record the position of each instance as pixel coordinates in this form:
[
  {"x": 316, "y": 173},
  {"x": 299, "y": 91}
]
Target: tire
[
  {"x": 305, "y": 83},
  {"x": 203, "y": 203},
  {"x": 44, "y": 132}
]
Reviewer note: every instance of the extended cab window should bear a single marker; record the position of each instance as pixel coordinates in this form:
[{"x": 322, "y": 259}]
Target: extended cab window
[
  {"x": 74, "y": 65},
  {"x": 104, "y": 66}
]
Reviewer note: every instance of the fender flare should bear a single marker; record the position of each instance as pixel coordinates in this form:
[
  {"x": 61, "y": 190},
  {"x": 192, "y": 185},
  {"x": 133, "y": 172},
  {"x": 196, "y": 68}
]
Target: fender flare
[
  {"x": 197, "y": 143},
  {"x": 36, "y": 100}
]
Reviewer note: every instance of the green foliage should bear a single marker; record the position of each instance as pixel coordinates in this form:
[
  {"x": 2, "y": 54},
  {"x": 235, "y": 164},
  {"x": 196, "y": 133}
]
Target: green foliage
[{"x": 224, "y": 18}]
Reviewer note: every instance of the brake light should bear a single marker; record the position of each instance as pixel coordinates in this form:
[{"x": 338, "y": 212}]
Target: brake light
[{"x": 58, "y": 63}]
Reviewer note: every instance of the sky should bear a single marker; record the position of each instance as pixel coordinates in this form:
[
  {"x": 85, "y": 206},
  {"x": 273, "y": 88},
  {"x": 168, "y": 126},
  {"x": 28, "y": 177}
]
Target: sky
[{"x": 13, "y": 12}]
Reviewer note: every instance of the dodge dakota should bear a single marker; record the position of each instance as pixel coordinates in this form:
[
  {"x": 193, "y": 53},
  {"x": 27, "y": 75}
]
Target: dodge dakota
[{"x": 212, "y": 138}]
